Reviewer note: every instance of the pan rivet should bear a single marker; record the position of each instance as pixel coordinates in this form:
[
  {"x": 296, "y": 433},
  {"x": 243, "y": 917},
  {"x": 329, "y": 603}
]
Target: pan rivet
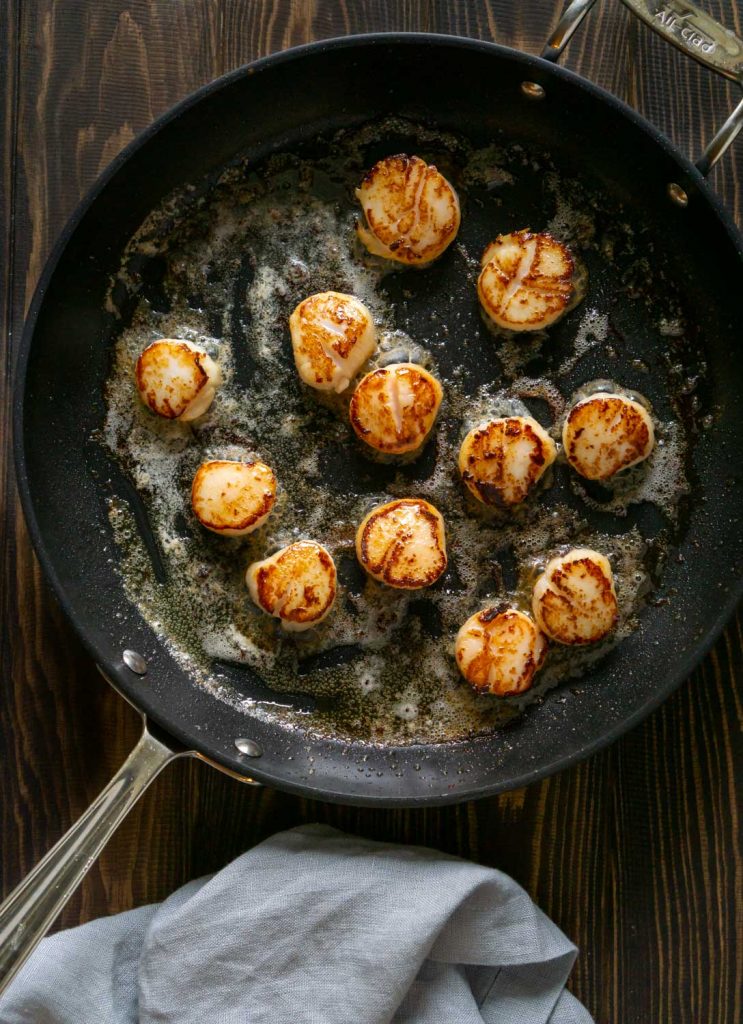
[
  {"x": 248, "y": 747},
  {"x": 533, "y": 90},
  {"x": 135, "y": 662},
  {"x": 677, "y": 195}
]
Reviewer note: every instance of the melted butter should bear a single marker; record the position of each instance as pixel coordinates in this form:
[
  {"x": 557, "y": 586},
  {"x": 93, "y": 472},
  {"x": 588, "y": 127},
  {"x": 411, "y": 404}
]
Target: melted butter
[{"x": 239, "y": 255}]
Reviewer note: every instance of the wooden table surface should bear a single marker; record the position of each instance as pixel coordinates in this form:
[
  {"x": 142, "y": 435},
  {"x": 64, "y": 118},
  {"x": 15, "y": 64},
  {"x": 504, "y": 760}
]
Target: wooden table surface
[{"x": 634, "y": 853}]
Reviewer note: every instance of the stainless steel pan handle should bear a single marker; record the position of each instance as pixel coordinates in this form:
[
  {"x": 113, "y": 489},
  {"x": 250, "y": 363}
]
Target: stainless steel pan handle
[
  {"x": 693, "y": 32},
  {"x": 30, "y": 909}
]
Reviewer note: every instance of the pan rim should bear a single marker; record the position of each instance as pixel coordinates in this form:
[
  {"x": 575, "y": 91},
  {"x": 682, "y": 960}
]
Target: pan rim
[{"x": 691, "y": 176}]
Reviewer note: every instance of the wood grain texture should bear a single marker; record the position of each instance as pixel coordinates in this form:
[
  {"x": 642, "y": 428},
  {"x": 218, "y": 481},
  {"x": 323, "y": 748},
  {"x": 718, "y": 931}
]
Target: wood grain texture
[{"x": 635, "y": 853}]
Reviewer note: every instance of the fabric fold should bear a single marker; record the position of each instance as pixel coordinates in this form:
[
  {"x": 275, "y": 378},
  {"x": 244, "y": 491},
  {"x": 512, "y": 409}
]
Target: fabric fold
[{"x": 313, "y": 927}]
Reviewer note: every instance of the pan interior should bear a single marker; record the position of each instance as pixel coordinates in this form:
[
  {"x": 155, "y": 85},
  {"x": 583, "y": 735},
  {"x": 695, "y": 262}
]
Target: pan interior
[
  {"x": 222, "y": 263},
  {"x": 66, "y": 479}
]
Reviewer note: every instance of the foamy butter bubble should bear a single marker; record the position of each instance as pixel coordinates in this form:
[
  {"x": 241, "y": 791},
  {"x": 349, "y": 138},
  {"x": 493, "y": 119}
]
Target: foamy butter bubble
[
  {"x": 406, "y": 709},
  {"x": 369, "y": 673},
  {"x": 399, "y": 347},
  {"x": 593, "y": 329},
  {"x": 230, "y": 644},
  {"x": 491, "y": 402},
  {"x": 570, "y": 223}
]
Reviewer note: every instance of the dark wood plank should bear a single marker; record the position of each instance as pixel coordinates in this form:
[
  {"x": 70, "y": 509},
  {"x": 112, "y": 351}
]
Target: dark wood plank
[{"x": 636, "y": 853}]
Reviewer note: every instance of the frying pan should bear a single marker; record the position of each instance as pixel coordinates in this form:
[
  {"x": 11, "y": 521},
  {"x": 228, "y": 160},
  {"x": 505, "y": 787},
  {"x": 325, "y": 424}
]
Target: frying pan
[{"x": 281, "y": 103}]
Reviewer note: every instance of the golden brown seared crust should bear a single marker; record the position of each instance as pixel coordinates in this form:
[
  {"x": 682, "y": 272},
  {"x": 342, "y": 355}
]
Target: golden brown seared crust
[
  {"x": 297, "y": 584},
  {"x": 499, "y": 650},
  {"x": 170, "y": 374},
  {"x": 502, "y": 460},
  {"x": 574, "y": 599},
  {"x": 332, "y": 336},
  {"x": 412, "y": 212},
  {"x": 526, "y": 281},
  {"x": 605, "y": 434},
  {"x": 393, "y": 409},
  {"x": 403, "y": 544},
  {"x": 232, "y": 497}
]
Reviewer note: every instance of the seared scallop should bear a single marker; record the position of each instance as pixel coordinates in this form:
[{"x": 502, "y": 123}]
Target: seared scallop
[
  {"x": 607, "y": 433},
  {"x": 503, "y": 459},
  {"x": 296, "y": 585},
  {"x": 411, "y": 210},
  {"x": 499, "y": 650},
  {"x": 332, "y": 336},
  {"x": 574, "y": 601},
  {"x": 233, "y": 498},
  {"x": 177, "y": 379},
  {"x": 527, "y": 280},
  {"x": 394, "y": 408},
  {"x": 402, "y": 544}
]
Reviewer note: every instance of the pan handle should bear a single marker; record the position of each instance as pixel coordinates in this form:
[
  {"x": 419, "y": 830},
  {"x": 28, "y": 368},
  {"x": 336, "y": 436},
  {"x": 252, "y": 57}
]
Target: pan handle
[
  {"x": 31, "y": 908},
  {"x": 693, "y": 32}
]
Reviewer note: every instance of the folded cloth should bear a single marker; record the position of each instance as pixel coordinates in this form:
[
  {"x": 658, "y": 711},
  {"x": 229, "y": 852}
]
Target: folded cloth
[{"x": 312, "y": 927}]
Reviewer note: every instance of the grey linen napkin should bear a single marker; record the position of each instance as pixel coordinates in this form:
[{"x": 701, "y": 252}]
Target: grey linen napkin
[{"x": 312, "y": 927}]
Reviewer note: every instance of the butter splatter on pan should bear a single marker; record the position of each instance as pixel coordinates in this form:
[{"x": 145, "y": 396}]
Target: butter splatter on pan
[{"x": 222, "y": 264}]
